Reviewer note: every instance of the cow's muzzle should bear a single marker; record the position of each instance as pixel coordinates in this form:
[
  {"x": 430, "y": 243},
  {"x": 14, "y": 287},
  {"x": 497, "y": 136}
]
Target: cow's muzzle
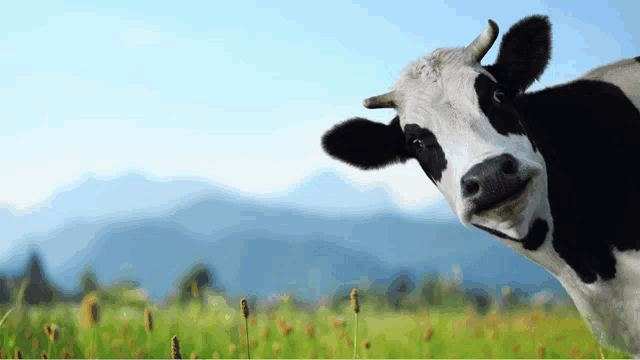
[{"x": 496, "y": 180}]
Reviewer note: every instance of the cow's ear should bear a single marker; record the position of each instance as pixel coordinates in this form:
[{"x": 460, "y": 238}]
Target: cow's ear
[
  {"x": 366, "y": 144},
  {"x": 524, "y": 53}
]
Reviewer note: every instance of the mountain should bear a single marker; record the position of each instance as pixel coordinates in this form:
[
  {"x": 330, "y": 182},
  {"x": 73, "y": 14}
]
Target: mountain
[{"x": 263, "y": 245}]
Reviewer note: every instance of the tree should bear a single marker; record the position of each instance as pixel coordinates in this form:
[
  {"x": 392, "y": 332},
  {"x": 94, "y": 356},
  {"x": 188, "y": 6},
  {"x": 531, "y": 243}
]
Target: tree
[
  {"x": 88, "y": 282},
  {"x": 38, "y": 287},
  {"x": 196, "y": 279},
  {"x": 400, "y": 288}
]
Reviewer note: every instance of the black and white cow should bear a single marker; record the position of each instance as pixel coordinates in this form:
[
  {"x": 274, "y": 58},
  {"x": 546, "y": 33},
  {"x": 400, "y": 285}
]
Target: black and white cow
[{"x": 551, "y": 173}]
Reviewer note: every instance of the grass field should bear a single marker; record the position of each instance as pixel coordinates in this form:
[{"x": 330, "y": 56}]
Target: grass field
[{"x": 217, "y": 330}]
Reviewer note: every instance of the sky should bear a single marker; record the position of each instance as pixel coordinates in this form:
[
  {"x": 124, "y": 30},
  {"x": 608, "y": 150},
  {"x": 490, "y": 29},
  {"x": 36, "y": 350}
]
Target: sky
[{"x": 239, "y": 92}]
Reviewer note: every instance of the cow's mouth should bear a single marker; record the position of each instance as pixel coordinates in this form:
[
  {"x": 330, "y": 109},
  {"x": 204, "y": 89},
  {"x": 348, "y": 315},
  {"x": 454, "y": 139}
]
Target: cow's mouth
[{"x": 510, "y": 197}]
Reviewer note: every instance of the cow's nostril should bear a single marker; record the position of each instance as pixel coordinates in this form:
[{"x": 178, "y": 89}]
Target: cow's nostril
[
  {"x": 509, "y": 165},
  {"x": 471, "y": 187}
]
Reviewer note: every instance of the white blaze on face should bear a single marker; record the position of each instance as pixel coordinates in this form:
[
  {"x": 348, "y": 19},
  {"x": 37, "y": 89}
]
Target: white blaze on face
[{"x": 438, "y": 94}]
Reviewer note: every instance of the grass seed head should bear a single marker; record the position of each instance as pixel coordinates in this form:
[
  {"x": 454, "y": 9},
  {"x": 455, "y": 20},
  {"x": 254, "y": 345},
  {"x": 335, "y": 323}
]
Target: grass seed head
[
  {"x": 265, "y": 333},
  {"x": 44, "y": 354},
  {"x": 348, "y": 342},
  {"x": 245, "y": 308},
  {"x": 540, "y": 351},
  {"x": 516, "y": 347},
  {"x": 233, "y": 348},
  {"x": 27, "y": 334},
  {"x": 252, "y": 319},
  {"x": 216, "y": 355},
  {"x": 355, "y": 305},
  {"x": 47, "y": 329},
  {"x": 366, "y": 344},
  {"x": 89, "y": 310},
  {"x": 67, "y": 353},
  {"x": 286, "y": 329},
  {"x": 253, "y": 343},
  {"x": 148, "y": 321},
  {"x": 35, "y": 344},
  {"x": 17, "y": 354},
  {"x": 105, "y": 338},
  {"x": 53, "y": 334},
  {"x": 311, "y": 330},
  {"x": 175, "y": 348},
  {"x": 193, "y": 355},
  {"x": 574, "y": 353},
  {"x": 276, "y": 348},
  {"x": 3, "y": 353},
  {"x": 428, "y": 333}
]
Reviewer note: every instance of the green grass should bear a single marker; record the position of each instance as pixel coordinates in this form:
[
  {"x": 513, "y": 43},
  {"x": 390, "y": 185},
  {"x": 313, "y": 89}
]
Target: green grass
[{"x": 212, "y": 329}]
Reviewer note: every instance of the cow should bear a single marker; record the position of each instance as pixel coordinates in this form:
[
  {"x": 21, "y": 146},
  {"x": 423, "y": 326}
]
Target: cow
[{"x": 551, "y": 173}]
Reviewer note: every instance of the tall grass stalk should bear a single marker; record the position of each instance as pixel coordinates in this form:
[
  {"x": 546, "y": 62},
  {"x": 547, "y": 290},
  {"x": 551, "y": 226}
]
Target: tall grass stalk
[
  {"x": 148, "y": 326},
  {"x": 20, "y": 298},
  {"x": 245, "y": 314},
  {"x": 355, "y": 307},
  {"x": 6, "y": 315}
]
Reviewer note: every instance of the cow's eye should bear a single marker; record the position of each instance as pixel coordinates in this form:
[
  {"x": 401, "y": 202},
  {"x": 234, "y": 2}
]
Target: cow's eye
[
  {"x": 499, "y": 96},
  {"x": 417, "y": 144}
]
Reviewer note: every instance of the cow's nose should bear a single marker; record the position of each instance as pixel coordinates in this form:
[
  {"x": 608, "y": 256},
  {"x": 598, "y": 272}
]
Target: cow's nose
[{"x": 488, "y": 183}]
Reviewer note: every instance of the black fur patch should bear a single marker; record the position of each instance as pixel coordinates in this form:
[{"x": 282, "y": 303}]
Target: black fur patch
[
  {"x": 524, "y": 53},
  {"x": 366, "y": 144},
  {"x": 589, "y": 135},
  {"x": 431, "y": 158},
  {"x": 532, "y": 241}
]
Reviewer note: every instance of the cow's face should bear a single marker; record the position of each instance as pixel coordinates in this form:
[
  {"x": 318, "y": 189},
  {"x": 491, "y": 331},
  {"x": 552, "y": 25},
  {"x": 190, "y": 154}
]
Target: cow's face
[
  {"x": 458, "y": 119},
  {"x": 459, "y": 125}
]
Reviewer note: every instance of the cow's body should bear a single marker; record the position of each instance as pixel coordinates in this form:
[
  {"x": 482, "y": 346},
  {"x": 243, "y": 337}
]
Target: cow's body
[{"x": 552, "y": 173}]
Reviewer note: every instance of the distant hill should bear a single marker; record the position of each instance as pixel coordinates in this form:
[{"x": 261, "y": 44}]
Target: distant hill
[{"x": 266, "y": 246}]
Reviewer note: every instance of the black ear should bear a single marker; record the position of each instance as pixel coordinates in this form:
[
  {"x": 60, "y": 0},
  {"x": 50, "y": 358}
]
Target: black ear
[
  {"x": 524, "y": 53},
  {"x": 366, "y": 144}
]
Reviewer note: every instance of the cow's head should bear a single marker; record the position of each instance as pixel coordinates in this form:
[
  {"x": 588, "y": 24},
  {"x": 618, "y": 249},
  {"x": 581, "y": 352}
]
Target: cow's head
[{"x": 458, "y": 119}]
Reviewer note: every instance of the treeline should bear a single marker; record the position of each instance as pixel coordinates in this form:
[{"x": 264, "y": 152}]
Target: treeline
[{"x": 402, "y": 292}]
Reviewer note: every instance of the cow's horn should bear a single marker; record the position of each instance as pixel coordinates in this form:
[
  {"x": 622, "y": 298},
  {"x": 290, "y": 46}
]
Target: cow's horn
[
  {"x": 380, "y": 101},
  {"x": 481, "y": 45}
]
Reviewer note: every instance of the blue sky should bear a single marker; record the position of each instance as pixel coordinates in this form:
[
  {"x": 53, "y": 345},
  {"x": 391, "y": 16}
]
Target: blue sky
[{"x": 238, "y": 92}]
